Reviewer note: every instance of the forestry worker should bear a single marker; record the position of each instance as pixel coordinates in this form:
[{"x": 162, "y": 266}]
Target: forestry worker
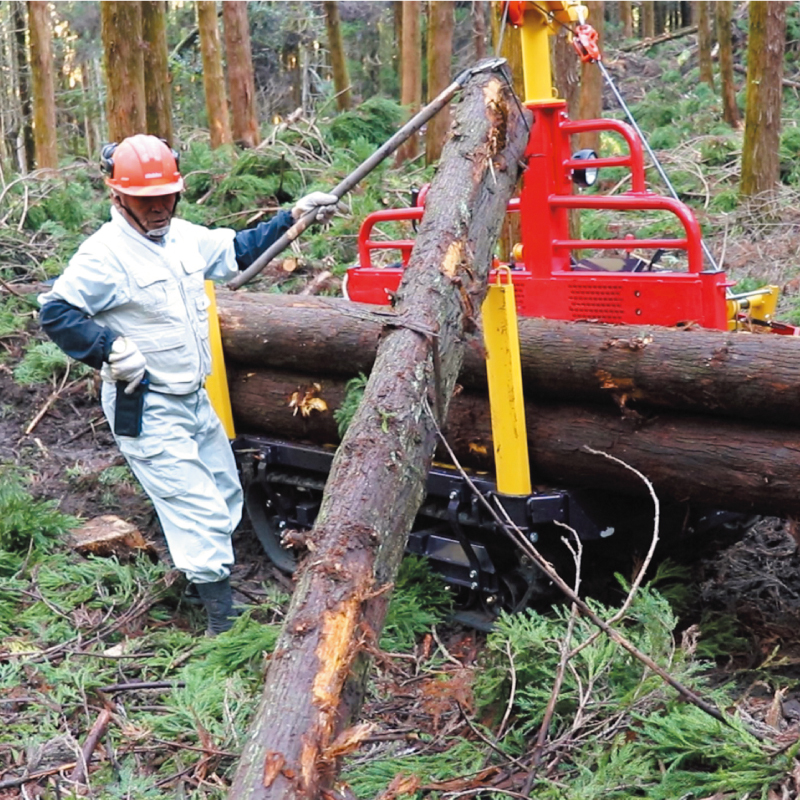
[{"x": 132, "y": 303}]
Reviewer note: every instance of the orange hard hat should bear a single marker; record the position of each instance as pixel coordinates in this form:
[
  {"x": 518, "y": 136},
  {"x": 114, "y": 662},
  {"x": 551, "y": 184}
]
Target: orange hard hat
[{"x": 142, "y": 166}]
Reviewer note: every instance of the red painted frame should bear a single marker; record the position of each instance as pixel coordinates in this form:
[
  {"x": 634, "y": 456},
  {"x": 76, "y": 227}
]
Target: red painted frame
[{"x": 545, "y": 281}]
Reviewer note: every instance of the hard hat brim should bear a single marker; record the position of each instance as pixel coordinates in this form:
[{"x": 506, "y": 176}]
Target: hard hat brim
[{"x": 174, "y": 187}]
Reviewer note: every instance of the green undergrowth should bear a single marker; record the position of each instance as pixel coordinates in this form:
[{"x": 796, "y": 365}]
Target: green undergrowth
[
  {"x": 72, "y": 628},
  {"x": 44, "y": 362},
  {"x": 617, "y": 731}
]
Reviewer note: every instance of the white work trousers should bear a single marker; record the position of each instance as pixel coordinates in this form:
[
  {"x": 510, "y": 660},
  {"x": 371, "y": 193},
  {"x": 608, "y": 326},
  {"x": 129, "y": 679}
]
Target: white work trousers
[{"x": 184, "y": 461}]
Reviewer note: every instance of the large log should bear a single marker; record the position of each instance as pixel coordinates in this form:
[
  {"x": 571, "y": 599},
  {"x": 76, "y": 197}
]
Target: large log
[
  {"x": 722, "y": 463},
  {"x": 314, "y": 683},
  {"x": 732, "y": 374}
]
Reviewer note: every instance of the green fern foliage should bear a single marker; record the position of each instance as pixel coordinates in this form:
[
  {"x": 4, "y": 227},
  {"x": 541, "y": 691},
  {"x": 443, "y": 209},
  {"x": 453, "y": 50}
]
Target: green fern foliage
[
  {"x": 374, "y": 121},
  {"x": 353, "y": 394},
  {"x": 420, "y": 600},
  {"x": 44, "y": 361},
  {"x": 25, "y": 522}
]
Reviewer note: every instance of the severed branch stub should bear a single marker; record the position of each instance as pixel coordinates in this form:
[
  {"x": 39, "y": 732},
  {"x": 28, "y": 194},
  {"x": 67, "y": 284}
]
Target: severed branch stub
[{"x": 315, "y": 681}]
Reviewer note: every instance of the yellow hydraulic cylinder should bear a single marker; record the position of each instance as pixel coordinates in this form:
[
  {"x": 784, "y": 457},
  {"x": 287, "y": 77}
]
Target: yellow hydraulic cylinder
[
  {"x": 760, "y": 304},
  {"x": 504, "y": 371},
  {"x": 535, "y": 36},
  {"x": 541, "y": 20},
  {"x": 217, "y": 381}
]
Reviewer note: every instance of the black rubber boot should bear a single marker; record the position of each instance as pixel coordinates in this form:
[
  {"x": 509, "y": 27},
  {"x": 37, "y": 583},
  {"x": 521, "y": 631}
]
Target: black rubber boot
[{"x": 218, "y": 603}]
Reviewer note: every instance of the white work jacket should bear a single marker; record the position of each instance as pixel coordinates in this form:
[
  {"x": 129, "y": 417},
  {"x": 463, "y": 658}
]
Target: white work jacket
[{"x": 153, "y": 293}]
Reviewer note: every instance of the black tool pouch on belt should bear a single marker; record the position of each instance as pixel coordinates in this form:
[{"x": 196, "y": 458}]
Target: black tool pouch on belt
[{"x": 129, "y": 407}]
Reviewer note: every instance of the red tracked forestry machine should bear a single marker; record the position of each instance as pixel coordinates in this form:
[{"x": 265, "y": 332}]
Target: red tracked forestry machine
[{"x": 545, "y": 276}]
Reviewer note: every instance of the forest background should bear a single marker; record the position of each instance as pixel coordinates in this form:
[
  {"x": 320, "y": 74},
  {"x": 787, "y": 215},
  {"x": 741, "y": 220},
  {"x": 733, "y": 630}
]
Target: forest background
[{"x": 266, "y": 101}]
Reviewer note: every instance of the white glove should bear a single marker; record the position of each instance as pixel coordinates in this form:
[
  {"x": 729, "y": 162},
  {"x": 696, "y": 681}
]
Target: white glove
[
  {"x": 324, "y": 203},
  {"x": 127, "y": 363}
]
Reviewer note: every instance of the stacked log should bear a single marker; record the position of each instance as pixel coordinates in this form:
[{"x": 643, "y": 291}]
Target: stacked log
[{"x": 708, "y": 416}]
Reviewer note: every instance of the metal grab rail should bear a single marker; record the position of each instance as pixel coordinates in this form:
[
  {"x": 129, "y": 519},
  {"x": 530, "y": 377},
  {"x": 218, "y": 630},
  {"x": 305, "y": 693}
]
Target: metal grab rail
[
  {"x": 635, "y": 202},
  {"x": 644, "y": 201},
  {"x": 634, "y": 159}
]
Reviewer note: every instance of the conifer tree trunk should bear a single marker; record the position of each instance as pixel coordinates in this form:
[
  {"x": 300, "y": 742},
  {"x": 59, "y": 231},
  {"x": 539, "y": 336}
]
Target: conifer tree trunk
[
  {"x": 91, "y": 132},
  {"x": 44, "y": 98},
  {"x": 441, "y": 19},
  {"x": 511, "y": 50},
  {"x": 704, "y": 38},
  {"x": 158, "y": 97},
  {"x": 479, "y": 28},
  {"x": 411, "y": 70},
  {"x": 341, "y": 78},
  {"x": 765, "y": 47},
  {"x": 659, "y": 17},
  {"x": 315, "y": 681},
  {"x": 626, "y": 17},
  {"x": 566, "y": 67},
  {"x": 23, "y": 83},
  {"x": 730, "y": 111},
  {"x": 591, "y": 103},
  {"x": 121, "y": 31},
  {"x": 213, "y": 77},
  {"x": 688, "y": 15},
  {"x": 648, "y": 21},
  {"x": 241, "y": 79}
]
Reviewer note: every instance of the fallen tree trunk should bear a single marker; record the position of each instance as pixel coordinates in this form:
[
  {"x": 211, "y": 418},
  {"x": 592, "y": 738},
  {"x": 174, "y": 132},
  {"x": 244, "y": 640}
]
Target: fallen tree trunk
[
  {"x": 315, "y": 679},
  {"x": 716, "y": 372},
  {"x": 721, "y": 463}
]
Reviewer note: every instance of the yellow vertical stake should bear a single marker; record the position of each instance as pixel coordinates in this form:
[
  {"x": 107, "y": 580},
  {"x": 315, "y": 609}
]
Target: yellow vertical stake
[
  {"x": 504, "y": 371},
  {"x": 217, "y": 381}
]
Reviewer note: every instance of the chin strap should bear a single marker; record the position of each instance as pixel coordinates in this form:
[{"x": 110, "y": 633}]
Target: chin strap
[{"x": 156, "y": 233}]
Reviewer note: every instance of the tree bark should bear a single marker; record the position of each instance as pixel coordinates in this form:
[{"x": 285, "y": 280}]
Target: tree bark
[
  {"x": 121, "y": 31},
  {"x": 659, "y": 17},
  {"x": 241, "y": 78},
  {"x": 44, "y": 97},
  {"x": 591, "y": 102},
  {"x": 730, "y": 111},
  {"x": 566, "y": 69},
  {"x": 714, "y": 462},
  {"x": 213, "y": 78},
  {"x": 158, "y": 100},
  {"x": 479, "y": 28},
  {"x": 341, "y": 79},
  {"x": 24, "y": 84},
  {"x": 717, "y": 373},
  {"x": 377, "y": 482},
  {"x": 441, "y": 19},
  {"x": 648, "y": 20},
  {"x": 762, "y": 126},
  {"x": 411, "y": 73},
  {"x": 704, "y": 39},
  {"x": 511, "y": 50},
  {"x": 626, "y": 17}
]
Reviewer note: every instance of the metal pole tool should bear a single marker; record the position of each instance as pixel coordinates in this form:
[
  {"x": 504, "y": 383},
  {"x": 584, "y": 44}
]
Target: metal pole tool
[{"x": 386, "y": 149}]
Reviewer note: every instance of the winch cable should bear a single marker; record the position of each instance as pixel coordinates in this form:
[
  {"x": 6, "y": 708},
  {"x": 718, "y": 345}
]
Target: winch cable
[{"x": 656, "y": 163}]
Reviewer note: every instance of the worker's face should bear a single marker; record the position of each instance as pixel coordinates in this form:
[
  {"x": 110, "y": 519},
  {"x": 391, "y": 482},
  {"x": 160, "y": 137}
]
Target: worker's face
[{"x": 151, "y": 213}]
